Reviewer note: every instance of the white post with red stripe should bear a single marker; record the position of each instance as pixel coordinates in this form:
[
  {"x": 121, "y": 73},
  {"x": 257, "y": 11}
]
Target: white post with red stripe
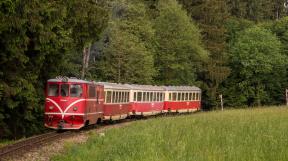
[{"x": 286, "y": 97}]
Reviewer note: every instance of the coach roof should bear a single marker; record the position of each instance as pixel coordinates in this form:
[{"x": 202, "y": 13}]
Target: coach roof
[
  {"x": 146, "y": 87},
  {"x": 181, "y": 88},
  {"x": 108, "y": 85}
]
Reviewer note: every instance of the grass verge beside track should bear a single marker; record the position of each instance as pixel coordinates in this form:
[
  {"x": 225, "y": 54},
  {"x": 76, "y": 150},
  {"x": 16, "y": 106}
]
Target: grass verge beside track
[{"x": 234, "y": 135}]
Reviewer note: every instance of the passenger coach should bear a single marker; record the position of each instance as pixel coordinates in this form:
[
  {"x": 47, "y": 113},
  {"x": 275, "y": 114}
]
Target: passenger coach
[
  {"x": 117, "y": 103},
  {"x": 182, "y": 99},
  {"x": 147, "y": 100}
]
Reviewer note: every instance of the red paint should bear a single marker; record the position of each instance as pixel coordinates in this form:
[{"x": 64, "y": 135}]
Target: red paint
[
  {"x": 147, "y": 106},
  {"x": 169, "y": 105}
]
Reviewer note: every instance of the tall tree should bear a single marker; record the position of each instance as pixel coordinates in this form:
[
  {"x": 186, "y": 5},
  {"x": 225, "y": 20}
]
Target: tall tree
[
  {"x": 126, "y": 53},
  {"x": 88, "y": 19},
  {"x": 257, "y": 10},
  {"x": 258, "y": 66},
  {"x": 37, "y": 43},
  {"x": 211, "y": 16},
  {"x": 178, "y": 45}
]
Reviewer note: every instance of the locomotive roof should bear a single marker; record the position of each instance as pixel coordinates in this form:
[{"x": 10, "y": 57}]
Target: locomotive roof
[
  {"x": 71, "y": 80},
  {"x": 182, "y": 88}
]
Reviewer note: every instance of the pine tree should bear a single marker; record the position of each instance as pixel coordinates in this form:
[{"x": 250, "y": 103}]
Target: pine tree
[
  {"x": 211, "y": 17},
  {"x": 178, "y": 45}
]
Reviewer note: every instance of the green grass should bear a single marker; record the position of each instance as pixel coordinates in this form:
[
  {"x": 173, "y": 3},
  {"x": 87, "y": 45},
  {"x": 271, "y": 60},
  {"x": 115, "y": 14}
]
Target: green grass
[{"x": 241, "y": 135}]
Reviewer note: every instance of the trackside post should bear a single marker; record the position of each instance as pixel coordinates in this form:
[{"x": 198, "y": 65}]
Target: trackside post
[{"x": 286, "y": 97}]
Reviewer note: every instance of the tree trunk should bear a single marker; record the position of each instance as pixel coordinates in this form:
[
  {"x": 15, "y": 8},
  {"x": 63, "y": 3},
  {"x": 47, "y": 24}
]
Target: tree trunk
[{"x": 85, "y": 61}]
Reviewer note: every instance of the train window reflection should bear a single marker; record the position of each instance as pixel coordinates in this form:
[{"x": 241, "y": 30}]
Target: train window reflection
[
  {"x": 174, "y": 96},
  {"x": 108, "y": 97},
  {"x": 75, "y": 90},
  {"x": 64, "y": 90},
  {"x": 139, "y": 96},
  {"x": 53, "y": 90}
]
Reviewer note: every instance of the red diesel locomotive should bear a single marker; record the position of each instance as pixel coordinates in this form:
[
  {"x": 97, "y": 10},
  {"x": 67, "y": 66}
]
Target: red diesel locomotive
[{"x": 73, "y": 103}]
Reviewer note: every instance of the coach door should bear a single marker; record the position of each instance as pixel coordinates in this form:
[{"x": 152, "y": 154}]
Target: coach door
[{"x": 99, "y": 99}]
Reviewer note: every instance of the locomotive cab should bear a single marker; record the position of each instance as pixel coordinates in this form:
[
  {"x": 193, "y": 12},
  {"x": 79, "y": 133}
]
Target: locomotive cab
[{"x": 65, "y": 104}]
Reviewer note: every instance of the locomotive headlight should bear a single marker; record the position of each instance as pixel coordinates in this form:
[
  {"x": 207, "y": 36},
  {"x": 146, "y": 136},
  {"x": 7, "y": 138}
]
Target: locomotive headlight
[
  {"x": 51, "y": 107},
  {"x": 75, "y": 108}
]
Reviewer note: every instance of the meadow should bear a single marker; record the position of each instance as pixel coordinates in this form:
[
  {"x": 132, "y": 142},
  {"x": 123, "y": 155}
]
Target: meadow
[{"x": 259, "y": 134}]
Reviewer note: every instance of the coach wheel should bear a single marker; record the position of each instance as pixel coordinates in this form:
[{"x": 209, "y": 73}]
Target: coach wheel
[
  {"x": 99, "y": 121},
  {"x": 87, "y": 123}
]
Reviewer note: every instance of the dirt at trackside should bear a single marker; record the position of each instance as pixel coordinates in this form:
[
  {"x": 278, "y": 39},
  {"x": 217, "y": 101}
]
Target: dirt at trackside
[{"x": 45, "y": 152}]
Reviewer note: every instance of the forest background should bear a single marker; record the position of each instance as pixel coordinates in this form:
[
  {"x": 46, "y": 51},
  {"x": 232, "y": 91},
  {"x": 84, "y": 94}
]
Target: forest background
[{"x": 237, "y": 48}]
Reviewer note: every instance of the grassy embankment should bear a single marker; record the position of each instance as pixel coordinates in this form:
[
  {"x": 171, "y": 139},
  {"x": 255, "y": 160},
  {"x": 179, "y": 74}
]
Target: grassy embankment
[{"x": 242, "y": 135}]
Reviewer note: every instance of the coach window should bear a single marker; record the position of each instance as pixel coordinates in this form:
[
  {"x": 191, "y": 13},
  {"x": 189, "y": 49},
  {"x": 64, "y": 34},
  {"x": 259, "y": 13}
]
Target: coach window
[
  {"x": 124, "y": 96},
  {"x": 139, "y": 96},
  {"x": 135, "y": 96},
  {"x": 147, "y": 96},
  {"x": 118, "y": 96},
  {"x": 127, "y": 96},
  {"x": 108, "y": 96},
  {"x": 197, "y": 96},
  {"x": 186, "y": 97},
  {"x": 154, "y": 96},
  {"x": 182, "y": 96},
  {"x": 121, "y": 96},
  {"x": 170, "y": 96},
  {"x": 53, "y": 89},
  {"x": 190, "y": 96},
  {"x": 158, "y": 96},
  {"x": 143, "y": 96},
  {"x": 113, "y": 96},
  {"x": 91, "y": 94},
  {"x": 174, "y": 96},
  {"x": 179, "y": 97},
  {"x": 193, "y": 98},
  {"x": 151, "y": 97}
]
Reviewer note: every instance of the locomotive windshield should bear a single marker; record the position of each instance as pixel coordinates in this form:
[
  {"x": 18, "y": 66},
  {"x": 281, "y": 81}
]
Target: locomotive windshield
[
  {"x": 53, "y": 89},
  {"x": 63, "y": 90},
  {"x": 75, "y": 90}
]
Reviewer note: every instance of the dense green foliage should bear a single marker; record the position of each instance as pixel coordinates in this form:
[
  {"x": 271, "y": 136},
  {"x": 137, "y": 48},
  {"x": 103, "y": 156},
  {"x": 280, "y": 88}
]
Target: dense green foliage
[
  {"x": 233, "y": 135},
  {"x": 237, "y": 48},
  {"x": 37, "y": 42}
]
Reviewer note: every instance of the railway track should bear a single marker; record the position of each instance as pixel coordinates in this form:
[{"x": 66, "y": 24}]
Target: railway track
[{"x": 21, "y": 147}]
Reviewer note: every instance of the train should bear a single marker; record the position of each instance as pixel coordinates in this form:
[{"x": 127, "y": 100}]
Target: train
[{"x": 73, "y": 103}]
